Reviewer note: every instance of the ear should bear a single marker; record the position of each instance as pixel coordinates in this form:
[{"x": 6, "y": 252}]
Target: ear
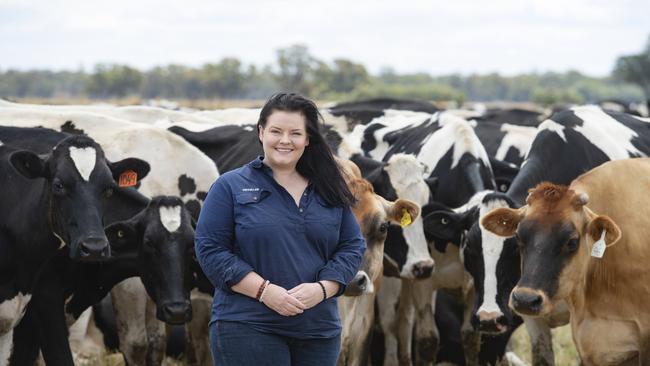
[
  {"x": 432, "y": 183},
  {"x": 122, "y": 237},
  {"x": 600, "y": 223},
  {"x": 140, "y": 167},
  {"x": 260, "y": 133},
  {"x": 28, "y": 164},
  {"x": 396, "y": 214},
  {"x": 502, "y": 221}
]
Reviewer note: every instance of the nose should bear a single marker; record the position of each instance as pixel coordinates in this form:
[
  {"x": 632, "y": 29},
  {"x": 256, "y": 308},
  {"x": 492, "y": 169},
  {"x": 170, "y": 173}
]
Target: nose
[
  {"x": 360, "y": 284},
  {"x": 423, "y": 269},
  {"x": 526, "y": 301},
  {"x": 491, "y": 322},
  {"x": 94, "y": 248},
  {"x": 177, "y": 312}
]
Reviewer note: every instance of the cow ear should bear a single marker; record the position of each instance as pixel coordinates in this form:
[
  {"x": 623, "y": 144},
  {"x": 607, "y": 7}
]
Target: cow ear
[
  {"x": 502, "y": 221},
  {"x": 432, "y": 183},
  {"x": 400, "y": 208},
  {"x": 28, "y": 164},
  {"x": 598, "y": 224},
  {"x": 122, "y": 237},
  {"x": 140, "y": 167}
]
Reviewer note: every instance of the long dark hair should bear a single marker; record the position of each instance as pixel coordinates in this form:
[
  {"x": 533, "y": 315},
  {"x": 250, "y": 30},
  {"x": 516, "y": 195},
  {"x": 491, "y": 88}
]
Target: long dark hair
[{"x": 317, "y": 161}]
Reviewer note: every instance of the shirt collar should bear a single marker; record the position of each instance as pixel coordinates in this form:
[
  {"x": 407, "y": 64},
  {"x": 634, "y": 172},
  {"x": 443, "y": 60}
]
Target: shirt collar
[{"x": 258, "y": 164}]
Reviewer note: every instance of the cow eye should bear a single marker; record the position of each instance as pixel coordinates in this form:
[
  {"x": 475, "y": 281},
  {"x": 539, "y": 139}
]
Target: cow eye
[
  {"x": 120, "y": 234},
  {"x": 58, "y": 187},
  {"x": 383, "y": 227},
  {"x": 572, "y": 244},
  {"x": 444, "y": 221}
]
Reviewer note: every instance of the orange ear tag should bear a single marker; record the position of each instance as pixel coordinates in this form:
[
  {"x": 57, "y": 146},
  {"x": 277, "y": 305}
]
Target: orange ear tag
[{"x": 128, "y": 179}]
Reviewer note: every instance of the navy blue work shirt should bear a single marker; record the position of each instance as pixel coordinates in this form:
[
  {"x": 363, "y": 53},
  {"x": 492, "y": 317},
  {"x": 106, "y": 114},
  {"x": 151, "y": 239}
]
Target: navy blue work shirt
[{"x": 249, "y": 222}]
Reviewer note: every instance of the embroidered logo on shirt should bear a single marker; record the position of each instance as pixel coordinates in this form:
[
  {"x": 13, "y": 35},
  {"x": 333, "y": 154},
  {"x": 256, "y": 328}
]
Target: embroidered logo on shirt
[{"x": 250, "y": 189}]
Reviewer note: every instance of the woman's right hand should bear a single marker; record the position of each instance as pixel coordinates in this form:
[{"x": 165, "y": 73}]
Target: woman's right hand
[{"x": 279, "y": 300}]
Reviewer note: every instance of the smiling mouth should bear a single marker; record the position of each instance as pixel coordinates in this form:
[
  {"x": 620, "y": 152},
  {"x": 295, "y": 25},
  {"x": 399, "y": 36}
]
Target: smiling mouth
[{"x": 283, "y": 150}]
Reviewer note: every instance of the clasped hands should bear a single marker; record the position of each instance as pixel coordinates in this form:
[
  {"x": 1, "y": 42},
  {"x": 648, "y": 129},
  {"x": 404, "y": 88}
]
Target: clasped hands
[{"x": 294, "y": 301}]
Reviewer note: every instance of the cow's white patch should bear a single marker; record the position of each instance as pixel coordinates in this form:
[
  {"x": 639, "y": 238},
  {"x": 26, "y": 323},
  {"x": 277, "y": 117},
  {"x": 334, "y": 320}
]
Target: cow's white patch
[
  {"x": 492, "y": 248},
  {"x": 553, "y": 127},
  {"x": 610, "y": 136},
  {"x": 6, "y": 346},
  {"x": 406, "y": 176},
  {"x": 248, "y": 128},
  {"x": 455, "y": 133},
  {"x": 518, "y": 137},
  {"x": 170, "y": 217},
  {"x": 1, "y": 143},
  {"x": 84, "y": 160}
]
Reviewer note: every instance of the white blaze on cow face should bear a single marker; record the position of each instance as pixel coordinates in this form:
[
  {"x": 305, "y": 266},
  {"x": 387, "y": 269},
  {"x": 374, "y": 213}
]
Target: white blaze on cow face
[
  {"x": 84, "y": 160},
  {"x": 492, "y": 246},
  {"x": 610, "y": 136},
  {"x": 405, "y": 174},
  {"x": 170, "y": 217},
  {"x": 553, "y": 127}
]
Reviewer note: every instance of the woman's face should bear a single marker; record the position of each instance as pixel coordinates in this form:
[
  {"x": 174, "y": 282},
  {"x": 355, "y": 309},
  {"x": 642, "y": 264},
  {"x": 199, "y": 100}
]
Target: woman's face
[{"x": 284, "y": 139}]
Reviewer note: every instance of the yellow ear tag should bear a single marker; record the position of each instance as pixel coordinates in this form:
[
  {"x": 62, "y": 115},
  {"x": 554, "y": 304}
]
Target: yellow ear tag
[{"x": 406, "y": 218}]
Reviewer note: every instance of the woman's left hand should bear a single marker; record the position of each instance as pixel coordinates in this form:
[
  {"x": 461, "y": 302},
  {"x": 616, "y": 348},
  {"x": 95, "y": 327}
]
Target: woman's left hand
[{"x": 310, "y": 294}]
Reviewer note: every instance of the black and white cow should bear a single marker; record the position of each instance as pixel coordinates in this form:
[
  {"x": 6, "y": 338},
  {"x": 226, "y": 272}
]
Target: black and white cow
[
  {"x": 57, "y": 203},
  {"x": 568, "y": 144},
  {"x": 155, "y": 245},
  {"x": 364, "y": 111},
  {"x": 177, "y": 168}
]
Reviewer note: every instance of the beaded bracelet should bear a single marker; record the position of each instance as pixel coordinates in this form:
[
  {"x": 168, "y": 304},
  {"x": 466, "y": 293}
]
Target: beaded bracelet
[
  {"x": 323, "y": 288},
  {"x": 260, "y": 290},
  {"x": 266, "y": 285}
]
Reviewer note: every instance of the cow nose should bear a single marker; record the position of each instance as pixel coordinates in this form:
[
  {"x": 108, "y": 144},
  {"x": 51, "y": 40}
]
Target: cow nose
[
  {"x": 423, "y": 269},
  {"x": 360, "y": 284},
  {"x": 177, "y": 312},
  {"x": 94, "y": 248},
  {"x": 491, "y": 322},
  {"x": 526, "y": 302}
]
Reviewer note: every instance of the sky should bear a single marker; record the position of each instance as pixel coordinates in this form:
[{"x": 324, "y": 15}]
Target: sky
[{"x": 436, "y": 37}]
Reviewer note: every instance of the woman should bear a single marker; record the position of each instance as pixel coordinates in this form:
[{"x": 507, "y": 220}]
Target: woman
[{"x": 277, "y": 239}]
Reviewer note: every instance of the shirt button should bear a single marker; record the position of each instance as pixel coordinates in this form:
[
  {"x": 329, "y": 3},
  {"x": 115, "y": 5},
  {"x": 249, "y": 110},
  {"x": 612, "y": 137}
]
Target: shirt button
[
  {"x": 305, "y": 194},
  {"x": 254, "y": 198},
  {"x": 300, "y": 209}
]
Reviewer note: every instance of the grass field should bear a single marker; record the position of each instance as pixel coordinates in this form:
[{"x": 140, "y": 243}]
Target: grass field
[{"x": 565, "y": 352}]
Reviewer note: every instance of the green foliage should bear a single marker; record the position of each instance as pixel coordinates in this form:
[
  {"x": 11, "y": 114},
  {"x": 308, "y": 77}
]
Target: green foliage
[{"x": 296, "y": 69}]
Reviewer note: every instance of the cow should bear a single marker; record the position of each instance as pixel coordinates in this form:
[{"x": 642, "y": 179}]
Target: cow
[
  {"x": 177, "y": 168},
  {"x": 567, "y": 144},
  {"x": 155, "y": 245},
  {"x": 58, "y": 201},
  {"x": 586, "y": 244},
  {"x": 374, "y": 215},
  {"x": 364, "y": 111},
  {"x": 451, "y": 152}
]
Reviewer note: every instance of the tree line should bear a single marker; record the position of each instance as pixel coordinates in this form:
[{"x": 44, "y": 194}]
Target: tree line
[{"x": 341, "y": 79}]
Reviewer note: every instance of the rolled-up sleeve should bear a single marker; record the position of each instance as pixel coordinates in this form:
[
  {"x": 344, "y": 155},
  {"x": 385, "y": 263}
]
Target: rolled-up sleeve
[
  {"x": 345, "y": 262},
  {"x": 213, "y": 240}
]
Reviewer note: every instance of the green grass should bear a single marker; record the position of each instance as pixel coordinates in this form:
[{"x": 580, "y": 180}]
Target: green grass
[{"x": 565, "y": 351}]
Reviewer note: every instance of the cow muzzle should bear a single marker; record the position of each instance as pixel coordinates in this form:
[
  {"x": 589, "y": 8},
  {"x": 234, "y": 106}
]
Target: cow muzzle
[
  {"x": 94, "y": 248},
  {"x": 422, "y": 269},
  {"x": 527, "y": 301},
  {"x": 177, "y": 312},
  {"x": 492, "y": 322},
  {"x": 359, "y": 285}
]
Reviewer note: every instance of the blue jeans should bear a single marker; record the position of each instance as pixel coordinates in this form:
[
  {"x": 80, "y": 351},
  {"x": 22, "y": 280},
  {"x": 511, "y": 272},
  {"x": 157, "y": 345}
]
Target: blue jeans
[{"x": 237, "y": 344}]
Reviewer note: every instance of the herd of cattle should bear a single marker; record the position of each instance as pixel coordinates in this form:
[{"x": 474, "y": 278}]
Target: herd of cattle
[{"x": 100, "y": 201}]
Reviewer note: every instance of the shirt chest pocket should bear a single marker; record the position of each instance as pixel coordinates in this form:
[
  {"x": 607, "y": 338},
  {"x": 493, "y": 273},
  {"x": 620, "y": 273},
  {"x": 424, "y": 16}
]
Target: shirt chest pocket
[{"x": 252, "y": 209}]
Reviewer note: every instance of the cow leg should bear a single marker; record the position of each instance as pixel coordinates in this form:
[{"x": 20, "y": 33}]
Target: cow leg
[
  {"x": 405, "y": 320},
  {"x": 541, "y": 341},
  {"x": 387, "y": 303},
  {"x": 130, "y": 305},
  {"x": 197, "y": 328},
  {"x": 471, "y": 337},
  {"x": 426, "y": 332},
  {"x": 156, "y": 335}
]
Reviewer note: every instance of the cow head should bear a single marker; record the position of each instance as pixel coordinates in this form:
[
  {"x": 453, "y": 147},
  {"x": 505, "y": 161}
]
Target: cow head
[
  {"x": 79, "y": 180},
  {"x": 374, "y": 215},
  {"x": 492, "y": 261},
  {"x": 162, "y": 238},
  {"x": 555, "y": 232}
]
